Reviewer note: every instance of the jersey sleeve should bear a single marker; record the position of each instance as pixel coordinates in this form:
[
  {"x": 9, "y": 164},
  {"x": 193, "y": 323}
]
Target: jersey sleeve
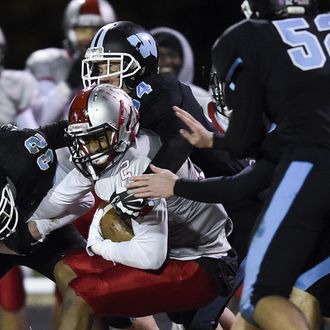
[
  {"x": 228, "y": 189},
  {"x": 148, "y": 248},
  {"x": 161, "y": 118},
  {"x": 55, "y": 134},
  {"x": 58, "y": 200}
]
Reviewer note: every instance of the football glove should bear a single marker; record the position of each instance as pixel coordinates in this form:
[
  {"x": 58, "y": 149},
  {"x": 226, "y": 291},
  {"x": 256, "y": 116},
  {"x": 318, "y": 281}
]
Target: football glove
[{"x": 127, "y": 205}]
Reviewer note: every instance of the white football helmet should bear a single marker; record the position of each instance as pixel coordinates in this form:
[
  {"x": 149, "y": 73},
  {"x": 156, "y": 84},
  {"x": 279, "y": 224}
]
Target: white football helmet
[
  {"x": 102, "y": 116},
  {"x": 85, "y": 13}
]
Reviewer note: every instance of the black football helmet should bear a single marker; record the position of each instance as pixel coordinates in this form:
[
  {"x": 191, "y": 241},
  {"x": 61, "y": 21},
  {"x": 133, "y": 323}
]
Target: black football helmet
[
  {"x": 8, "y": 210},
  {"x": 124, "y": 43},
  {"x": 277, "y": 8}
]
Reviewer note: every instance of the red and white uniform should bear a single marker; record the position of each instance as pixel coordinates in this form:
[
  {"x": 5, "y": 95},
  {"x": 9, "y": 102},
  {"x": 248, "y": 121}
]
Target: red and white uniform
[{"x": 162, "y": 257}]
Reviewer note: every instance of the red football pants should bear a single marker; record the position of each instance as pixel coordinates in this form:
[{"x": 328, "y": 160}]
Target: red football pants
[{"x": 125, "y": 291}]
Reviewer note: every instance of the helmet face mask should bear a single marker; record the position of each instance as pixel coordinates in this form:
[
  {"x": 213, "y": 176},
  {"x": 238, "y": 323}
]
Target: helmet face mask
[
  {"x": 8, "y": 212},
  {"x": 116, "y": 67},
  {"x": 103, "y": 124},
  {"x": 218, "y": 95}
]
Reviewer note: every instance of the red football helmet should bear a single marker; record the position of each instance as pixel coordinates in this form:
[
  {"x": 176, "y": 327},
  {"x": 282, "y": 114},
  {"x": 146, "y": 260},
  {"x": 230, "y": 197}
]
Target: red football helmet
[{"x": 103, "y": 123}]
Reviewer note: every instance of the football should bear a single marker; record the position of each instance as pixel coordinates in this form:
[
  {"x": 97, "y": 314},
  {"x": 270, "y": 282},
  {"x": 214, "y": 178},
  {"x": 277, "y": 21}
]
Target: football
[{"x": 113, "y": 227}]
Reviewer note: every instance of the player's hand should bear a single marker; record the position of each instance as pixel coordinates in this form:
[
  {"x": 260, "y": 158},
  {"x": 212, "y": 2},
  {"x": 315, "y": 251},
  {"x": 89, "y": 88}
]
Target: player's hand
[
  {"x": 127, "y": 205},
  {"x": 94, "y": 235},
  {"x": 21, "y": 241},
  {"x": 160, "y": 184},
  {"x": 198, "y": 136}
]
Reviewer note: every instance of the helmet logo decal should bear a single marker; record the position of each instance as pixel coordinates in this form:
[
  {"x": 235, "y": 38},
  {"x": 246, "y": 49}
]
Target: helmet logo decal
[
  {"x": 144, "y": 43},
  {"x": 143, "y": 88}
]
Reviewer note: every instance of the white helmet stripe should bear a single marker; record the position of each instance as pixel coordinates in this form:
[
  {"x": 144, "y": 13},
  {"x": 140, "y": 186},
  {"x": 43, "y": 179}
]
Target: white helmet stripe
[{"x": 99, "y": 36}]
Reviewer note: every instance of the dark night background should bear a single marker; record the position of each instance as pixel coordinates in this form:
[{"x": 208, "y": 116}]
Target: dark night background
[{"x": 33, "y": 24}]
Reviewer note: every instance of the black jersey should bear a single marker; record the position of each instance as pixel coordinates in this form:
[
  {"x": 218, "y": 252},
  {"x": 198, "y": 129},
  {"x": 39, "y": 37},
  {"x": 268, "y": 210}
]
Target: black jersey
[
  {"x": 154, "y": 97},
  {"x": 28, "y": 158},
  {"x": 280, "y": 68}
]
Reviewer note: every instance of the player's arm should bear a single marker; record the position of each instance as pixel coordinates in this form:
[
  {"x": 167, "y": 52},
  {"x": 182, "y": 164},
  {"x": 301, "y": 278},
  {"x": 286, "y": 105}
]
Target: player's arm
[
  {"x": 246, "y": 128},
  {"x": 146, "y": 250},
  {"x": 224, "y": 189},
  {"x": 58, "y": 200},
  {"x": 55, "y": 134},
  {"x": 175, "y": 149}
]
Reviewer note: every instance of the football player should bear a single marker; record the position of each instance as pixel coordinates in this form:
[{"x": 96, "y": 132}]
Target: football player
[
  {"x": 58, "y": 69},
  {"x": 18, "y": 92},
  {"x": 22, "y": 189},
  {"x": 171, "y": 244},
  {"x": 251, "y": 59},
  {"x": 125, "y": 55}
]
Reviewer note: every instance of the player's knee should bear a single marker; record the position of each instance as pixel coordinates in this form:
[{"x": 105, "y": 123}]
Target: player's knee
[{"x": 63, "y": 275}]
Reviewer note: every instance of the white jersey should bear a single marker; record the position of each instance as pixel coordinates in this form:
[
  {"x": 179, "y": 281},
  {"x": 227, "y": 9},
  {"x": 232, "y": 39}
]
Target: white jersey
[
  {"x": 194, "y": 229},
  {"x": 18, "y": 91},
  {"x": 51, "y": 66}
]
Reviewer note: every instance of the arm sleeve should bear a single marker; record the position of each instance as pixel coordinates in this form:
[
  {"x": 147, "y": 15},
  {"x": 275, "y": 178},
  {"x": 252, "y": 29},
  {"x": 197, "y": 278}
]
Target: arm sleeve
[
  {"x": 56, "y": 136},
  {"x": 175, "y": 149},
  {"x": 148, "y": 248},
  {"x": 232, "y": 189},
  {"x": 59, "y": 200}
]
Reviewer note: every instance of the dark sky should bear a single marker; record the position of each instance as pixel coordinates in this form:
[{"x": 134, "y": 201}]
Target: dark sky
[{"x": 33, "y": 24}]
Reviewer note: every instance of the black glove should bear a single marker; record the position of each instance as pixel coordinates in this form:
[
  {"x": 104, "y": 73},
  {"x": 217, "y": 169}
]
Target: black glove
[
  {"x": 21, "y": 241},
  {"x": 127, "y": 205}
]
